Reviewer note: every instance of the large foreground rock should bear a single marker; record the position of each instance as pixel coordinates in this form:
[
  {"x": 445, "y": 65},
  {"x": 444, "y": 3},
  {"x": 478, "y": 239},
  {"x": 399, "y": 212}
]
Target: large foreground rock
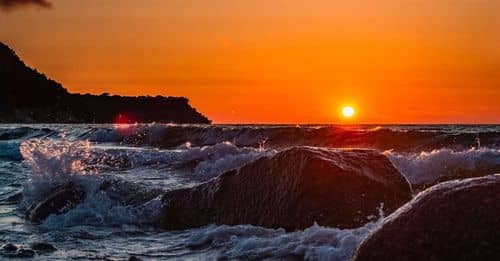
[
  {"x": 456, "y": 220},
  {"x": 293, "y": 189}
]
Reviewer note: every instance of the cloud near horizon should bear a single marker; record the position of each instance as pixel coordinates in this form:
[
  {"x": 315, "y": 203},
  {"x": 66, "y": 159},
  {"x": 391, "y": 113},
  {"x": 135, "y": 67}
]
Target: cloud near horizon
[{"x": 8, "y": 5}]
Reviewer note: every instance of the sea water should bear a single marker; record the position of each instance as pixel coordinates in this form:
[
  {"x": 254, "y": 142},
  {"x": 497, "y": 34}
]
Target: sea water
[{"x": 162, "y": 157}]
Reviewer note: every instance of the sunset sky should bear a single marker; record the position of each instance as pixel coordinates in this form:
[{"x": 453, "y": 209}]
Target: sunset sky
[{"x": 275, "y": 61}]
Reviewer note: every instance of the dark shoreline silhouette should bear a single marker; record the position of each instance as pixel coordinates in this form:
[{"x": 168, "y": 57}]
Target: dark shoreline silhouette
[{"x": 28, "y": 96}]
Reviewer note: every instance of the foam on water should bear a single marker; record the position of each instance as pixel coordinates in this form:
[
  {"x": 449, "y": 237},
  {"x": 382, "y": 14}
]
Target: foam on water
[
  {"x": 63, "y": 157},
  {"x": 429, "y": 167},
  {"x": 55, "y": 162},
  {"x": 58, "y": 161},
  {"x": 99, "y": 210},
  {"x": 251, "y": 242}
]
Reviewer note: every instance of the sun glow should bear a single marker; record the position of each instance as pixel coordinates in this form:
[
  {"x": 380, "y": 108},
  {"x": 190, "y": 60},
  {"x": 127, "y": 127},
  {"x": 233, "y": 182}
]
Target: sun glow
[{"x": 348, "y": 111}]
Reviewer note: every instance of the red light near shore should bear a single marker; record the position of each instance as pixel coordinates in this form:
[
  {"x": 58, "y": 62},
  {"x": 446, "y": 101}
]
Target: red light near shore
[
  {"x": 125, "y": 118},
  {"x": 125, "y": 124}
]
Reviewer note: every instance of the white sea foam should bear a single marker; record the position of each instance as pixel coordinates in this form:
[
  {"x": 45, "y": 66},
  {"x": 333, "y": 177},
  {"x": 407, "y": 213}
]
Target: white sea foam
[
  {"x": 206, "y": 161},
  {"x": 58, "y": 161},
  {"x": 251, "y": 242},
  {"x": 61, "y": 157},
  {"x": 99, "y": 210},
  {"x": 55, "y": 162},
  {"x": 428, "y": 167},
  {"x": 96, "y": 210}
]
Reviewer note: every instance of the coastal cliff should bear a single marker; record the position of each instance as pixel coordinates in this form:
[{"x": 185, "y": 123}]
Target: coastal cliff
[{"x": 28, "y": 96}]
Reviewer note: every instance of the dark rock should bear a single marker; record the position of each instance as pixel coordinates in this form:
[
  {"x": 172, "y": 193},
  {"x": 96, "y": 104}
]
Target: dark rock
[
  {"x": 61, "y": 200},
  {"x": 42, "y": 247},
  {"x": 456, "y": 220},
  {"x": 15, "y": 198},
  {"x": 9, "y": 247},
  {"x": 65, "y": 197},
  {"x": 128, "y": 193},
  {"x": 293, "y": 189},
  {"x": 24, "y": 253},
  {"x": 134, "y": 258}
]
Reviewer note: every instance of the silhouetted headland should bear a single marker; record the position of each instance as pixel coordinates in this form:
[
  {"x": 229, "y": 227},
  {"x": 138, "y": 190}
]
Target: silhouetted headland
[{"x": 28, "y": 96}]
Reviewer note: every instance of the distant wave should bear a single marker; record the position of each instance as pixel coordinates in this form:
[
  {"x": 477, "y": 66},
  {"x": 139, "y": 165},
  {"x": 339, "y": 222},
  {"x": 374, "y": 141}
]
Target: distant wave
[
  {"x": 11, "y": 133},
  {"x": 168, "y": 136},
  {"x": 171, "y": 136}
]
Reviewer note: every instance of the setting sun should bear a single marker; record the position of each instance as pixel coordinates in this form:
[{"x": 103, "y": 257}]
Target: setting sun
[{"x": 348, "y": 112}]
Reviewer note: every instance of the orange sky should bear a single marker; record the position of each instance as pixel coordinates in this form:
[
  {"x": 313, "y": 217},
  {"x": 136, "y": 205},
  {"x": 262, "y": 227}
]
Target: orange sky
[{"x": 276, "y": 61}]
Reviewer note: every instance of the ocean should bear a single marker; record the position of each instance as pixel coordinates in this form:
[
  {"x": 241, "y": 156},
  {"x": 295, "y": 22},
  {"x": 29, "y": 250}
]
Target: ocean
[{"x": 151, "y": 159}]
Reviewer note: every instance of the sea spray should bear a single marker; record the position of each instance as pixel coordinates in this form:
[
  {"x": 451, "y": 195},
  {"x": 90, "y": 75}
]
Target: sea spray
[
  {"x": 55, "y": 162},
  {"x": 56, "y": 158}
]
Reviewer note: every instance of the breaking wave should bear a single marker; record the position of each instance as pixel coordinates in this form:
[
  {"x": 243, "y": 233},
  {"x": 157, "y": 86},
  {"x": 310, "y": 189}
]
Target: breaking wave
[
  {"x": 383, "y": 138},
  {"x": 252, "y": 242},
  {"x": 58, "y": 161},
  {"x": 169, "y": 136},
  {"x": 52, "y": 157},
  {"x": 426, "y": 168}
]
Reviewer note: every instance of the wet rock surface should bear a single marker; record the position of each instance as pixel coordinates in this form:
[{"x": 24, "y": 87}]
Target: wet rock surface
[
  {"x": 61, "y": 200},
  {"x": 10, "y": 250},
  {"x": 128, "y": 193},
  {"x": 9, "y": 247},
  {"x": 456, "y": 220},
  {"x": 24, "y": 253},
  {"x": 42, "y": 247},
  {"x": 293, "y": 189}
]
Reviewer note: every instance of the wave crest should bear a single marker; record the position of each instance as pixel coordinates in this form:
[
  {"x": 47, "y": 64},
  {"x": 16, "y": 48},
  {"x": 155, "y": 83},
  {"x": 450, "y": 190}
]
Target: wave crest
[
  {"x": 427, "y": 168},
  {"x": 252, "y": 242}
]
